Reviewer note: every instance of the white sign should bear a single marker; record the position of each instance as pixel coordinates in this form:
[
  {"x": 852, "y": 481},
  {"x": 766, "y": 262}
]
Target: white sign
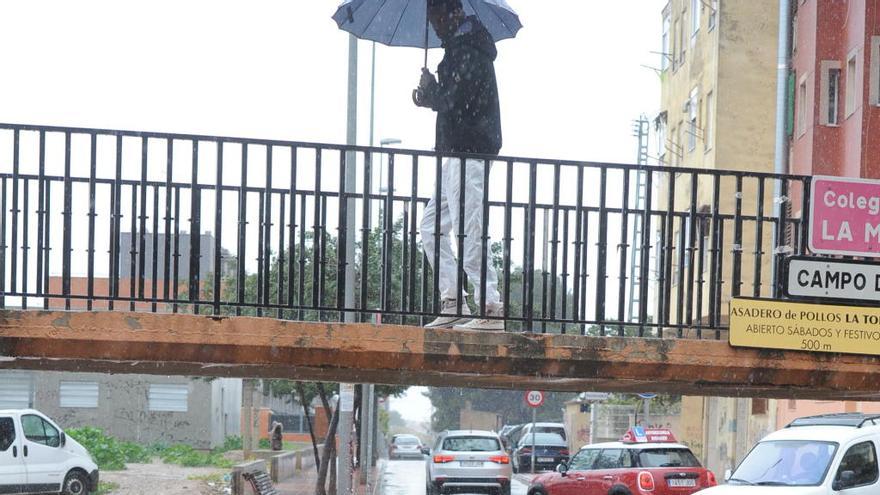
[
  {"x": 346, "y": 397},
  {"x": 534, "y": 398},
  {"x": 833, "y": 279}
]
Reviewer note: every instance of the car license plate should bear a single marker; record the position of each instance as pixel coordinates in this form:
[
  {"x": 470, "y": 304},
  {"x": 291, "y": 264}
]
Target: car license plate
[
  {"x": 682, "y": 483},
  {"x": 545, "y": 459},
  {"x": 471, "y": 463}
]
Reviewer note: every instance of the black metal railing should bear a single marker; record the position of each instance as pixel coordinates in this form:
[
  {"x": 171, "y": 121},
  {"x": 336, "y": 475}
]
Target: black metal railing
[{"x": 100, "y": 219}]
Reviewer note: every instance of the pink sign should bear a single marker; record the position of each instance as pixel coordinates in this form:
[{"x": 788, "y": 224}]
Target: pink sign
[{"x": 845, "y": 216}]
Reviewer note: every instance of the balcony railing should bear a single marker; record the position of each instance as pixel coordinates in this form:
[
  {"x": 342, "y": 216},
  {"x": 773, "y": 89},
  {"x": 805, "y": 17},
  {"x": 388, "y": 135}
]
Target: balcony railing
[{"x": 98, "y": 219}]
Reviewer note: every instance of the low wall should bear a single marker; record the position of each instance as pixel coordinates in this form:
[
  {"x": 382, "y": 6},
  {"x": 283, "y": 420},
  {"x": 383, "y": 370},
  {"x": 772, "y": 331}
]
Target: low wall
[
  {"x": 239, "y": 487},
  {"x": 283, "y": 466}
]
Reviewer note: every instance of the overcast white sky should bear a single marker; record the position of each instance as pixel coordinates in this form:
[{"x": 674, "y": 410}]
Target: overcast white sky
[{"x": 570, "y": 83}]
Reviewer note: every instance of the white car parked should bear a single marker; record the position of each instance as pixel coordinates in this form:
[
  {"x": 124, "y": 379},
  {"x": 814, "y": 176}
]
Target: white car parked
[
  {"x": 37, "y": 457},
  {"x": 816, "y": 455}
]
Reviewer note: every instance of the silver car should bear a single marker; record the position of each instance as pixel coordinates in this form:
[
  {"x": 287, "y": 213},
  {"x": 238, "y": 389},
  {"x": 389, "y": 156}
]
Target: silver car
[
  {"x": 469, "y": 461},
  {"x": 403, "y": 446}
]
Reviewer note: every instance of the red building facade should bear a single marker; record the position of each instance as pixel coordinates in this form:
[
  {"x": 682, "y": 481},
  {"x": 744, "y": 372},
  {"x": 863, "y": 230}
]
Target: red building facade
[{"x": 836, "y": 64}]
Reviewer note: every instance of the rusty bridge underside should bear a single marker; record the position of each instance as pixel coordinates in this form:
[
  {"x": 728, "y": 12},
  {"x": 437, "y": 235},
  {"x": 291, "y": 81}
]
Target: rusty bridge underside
[{"x": 119, "y": 342}]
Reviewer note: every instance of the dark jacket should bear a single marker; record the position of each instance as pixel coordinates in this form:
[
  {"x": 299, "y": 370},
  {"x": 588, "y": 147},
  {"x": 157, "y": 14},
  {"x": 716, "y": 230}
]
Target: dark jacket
[{"x": 466, "y": 100}]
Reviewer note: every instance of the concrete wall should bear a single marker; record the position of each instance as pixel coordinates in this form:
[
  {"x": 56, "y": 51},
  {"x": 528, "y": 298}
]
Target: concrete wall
[{"x": 123, "y": 410}]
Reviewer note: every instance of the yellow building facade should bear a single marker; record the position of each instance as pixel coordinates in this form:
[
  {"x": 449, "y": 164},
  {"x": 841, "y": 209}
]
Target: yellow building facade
[{"x": 718, "y": 112}]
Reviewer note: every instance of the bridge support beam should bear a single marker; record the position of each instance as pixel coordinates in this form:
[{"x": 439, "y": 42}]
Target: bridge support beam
[{"x": 118, "y": 342}]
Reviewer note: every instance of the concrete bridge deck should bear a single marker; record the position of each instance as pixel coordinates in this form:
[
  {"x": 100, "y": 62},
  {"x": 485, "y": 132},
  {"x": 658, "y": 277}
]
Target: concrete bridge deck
[{"x": 120, "y": 342}]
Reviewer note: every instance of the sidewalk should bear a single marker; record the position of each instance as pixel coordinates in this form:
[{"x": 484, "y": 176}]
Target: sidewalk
[{"x": 303, "y": 483}]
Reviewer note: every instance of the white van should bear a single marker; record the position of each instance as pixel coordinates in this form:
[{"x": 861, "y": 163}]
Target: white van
[
  {"x": 37, "y": 457},
  {"x": 816, "y": 455}
]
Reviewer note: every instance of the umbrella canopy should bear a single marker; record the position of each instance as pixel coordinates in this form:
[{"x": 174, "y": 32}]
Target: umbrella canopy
[{"x": 404, "y": 22}]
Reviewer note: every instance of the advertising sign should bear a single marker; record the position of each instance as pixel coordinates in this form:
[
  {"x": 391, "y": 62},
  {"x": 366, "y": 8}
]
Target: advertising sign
[
  {"x": 845, "y": 216},
  {"x": 771, "y": 324},
  {"x": 816, "y": 278}
]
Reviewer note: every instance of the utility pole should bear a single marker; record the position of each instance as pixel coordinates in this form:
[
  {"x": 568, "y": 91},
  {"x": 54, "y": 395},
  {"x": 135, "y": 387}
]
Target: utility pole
[{"x": 346, "y": 390}]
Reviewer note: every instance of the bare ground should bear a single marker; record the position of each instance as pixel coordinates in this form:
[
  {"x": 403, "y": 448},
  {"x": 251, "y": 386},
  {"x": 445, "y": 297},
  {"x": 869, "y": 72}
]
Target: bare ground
[{"x": 167, "y": 479}]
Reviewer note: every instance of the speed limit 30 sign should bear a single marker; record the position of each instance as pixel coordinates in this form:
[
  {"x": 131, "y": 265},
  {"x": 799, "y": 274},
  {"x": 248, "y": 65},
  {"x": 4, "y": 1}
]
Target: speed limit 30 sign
[{"x": 534, "y": 398}]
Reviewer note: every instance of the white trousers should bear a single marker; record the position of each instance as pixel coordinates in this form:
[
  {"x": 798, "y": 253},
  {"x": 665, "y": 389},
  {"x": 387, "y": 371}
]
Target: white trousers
[{"x": 449, "y": 203}]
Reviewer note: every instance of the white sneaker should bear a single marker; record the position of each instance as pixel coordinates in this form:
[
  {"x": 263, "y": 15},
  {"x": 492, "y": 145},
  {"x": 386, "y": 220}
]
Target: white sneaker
[
  {"x": 448, "y": 307},
  {"x": 485, "y": 324}
]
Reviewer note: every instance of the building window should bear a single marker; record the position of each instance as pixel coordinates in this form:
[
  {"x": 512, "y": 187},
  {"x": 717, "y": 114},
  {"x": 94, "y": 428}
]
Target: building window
[
  {"x": 794, "y": 33},
  {"x": 759, "y": 406},
  {"x": 168, "y": 397},
  {"x": 874, "y": 77},
  {"x": 674, "y": 55},
  {"x": 852, "y": 84},
  {"x": 693, "y": 111},
  {"x": 695, "y": 20},
  {"x": 830, "y": 91},
  {"x": 713, "y": 13},
  {"x": 665, "y": 56},
  {"x": 802, "y": 107},
  {"x": 16, "y": 390},
  {"x": 682, "y": 45},
  {"x": 707, "y": 124},
  {"x": 79, "y": 394}
]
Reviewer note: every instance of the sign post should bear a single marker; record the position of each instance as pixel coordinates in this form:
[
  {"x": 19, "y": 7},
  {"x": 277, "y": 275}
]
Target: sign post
[{"x": 534, "y": 399}]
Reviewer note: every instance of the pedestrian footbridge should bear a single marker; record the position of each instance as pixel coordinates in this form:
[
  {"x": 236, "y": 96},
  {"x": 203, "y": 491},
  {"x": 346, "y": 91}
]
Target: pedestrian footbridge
[{"x": 140, "y": 252}]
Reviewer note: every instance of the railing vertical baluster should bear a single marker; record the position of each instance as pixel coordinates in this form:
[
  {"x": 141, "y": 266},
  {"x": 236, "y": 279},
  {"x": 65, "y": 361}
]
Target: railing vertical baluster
[
  {"x": 585, "y": 263},
  {"x": 484, "y": 239},
  {"x": 47, "y": 246},
  {"x": 413, "y": 229},
  {"x": 715, "y": 249},
  {"x": 564, "y": 302},
  {"x": 529, "y": 268},
  {"x": 291, "y": 248},
  {"x": 779, "y": 251},
  {"x": 175, "y": 286},
  {"x": 578, "y": 247},
  {"x": 302, "y": 257},
  {"x": 719, "y": 282},
  {"x": 646, "y": 251},
  {"x": 602, "y": 254},
  {"x": 3, "y": 243},
  {"x": 438, "y": 203},
  {"x": 132, "y": 250},
  {"x": 692, "y": 234},
  {"x": 342, "y": 236},
  {"x": 266, "y": 238},
  {"x": 736, "y": 276},
  {"x": 805, "y": 214},
  {"x": 322, "y": 272},
  {"x": 116, "y": 231},
  {"x": 41, "y": 212},
  {"x": 317, "y": 255},
  {"x": 460, "y": 285},
  {"x": 554, "y": 241},
  {"x": 13, "y": 269},
  {"x": 154, "y": 273},
  {"x": 665, "y": 295},
  {"x": 142, "y": 234},
  {"x": 93, "y": 170},
  {"x": 387, "y": 228},
  {"x": 508, "y": 225},
  {"x": 661, "y": 297},
  {"x": 218, "y": 230},
  {"x": 241, "y": 276},
  {"x": 166, "y": 265},
  {"x": 68, "y": 205},
  {"x": 260, "y": 259},
  {"x": 623, "y": 248},
  {"x": 24, "y": 245},
  {"x": 759, "y": 239},
  {"x": 404, "y": 261},
  {"x": 195, "y": 234},
  {"x": 681, "y": 319},
  {"x": 701, "y": 239},
  {"x": 282, "y": 211}
]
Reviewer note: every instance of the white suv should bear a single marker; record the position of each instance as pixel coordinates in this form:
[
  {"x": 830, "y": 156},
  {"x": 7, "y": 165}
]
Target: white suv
[
  {"x": 37, "y": 457},
  {"x": 816, "y": 455}
]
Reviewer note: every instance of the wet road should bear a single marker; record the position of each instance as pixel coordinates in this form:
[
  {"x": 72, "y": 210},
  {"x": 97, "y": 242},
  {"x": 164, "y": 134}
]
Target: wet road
[{"x": 407, "y": 477}]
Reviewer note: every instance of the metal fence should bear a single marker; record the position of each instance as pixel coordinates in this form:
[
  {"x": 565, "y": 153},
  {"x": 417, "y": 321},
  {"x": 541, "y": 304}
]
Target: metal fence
[{"x": 99, "y": 219}]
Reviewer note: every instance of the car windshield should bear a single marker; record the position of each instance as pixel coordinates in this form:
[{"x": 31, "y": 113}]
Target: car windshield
[
  {"x": 406, "y": 441},
  {"x": 542, "y": 439},
  {"x": 471, "y": 444},
  {"x": 658, "y": 458},
  {"x": 786, "y": 463},
  {"x": 551, "y": 429}
]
